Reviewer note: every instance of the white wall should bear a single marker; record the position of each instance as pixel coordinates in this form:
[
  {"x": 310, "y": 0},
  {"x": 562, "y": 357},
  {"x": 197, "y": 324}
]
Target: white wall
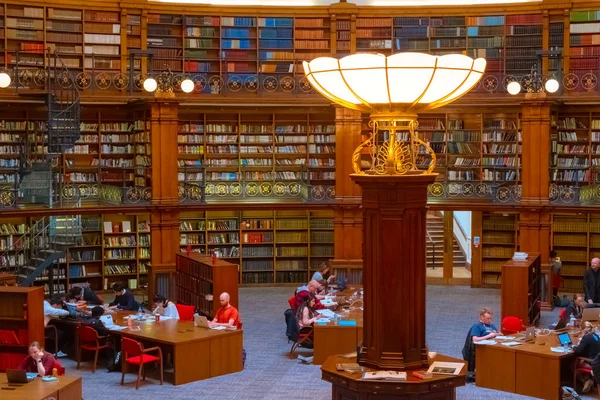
[{"x": 462, "y": 219}]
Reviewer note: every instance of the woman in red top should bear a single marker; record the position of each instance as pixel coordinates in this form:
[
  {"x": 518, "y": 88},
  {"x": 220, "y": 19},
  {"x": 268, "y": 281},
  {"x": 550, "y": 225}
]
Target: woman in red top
[{"x": 38, "y": 361}]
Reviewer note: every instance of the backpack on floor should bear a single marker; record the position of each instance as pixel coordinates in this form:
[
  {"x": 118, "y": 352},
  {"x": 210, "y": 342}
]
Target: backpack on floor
[
  {"x": 568, "y": 393},
  {"x": 115, "y": 363}
]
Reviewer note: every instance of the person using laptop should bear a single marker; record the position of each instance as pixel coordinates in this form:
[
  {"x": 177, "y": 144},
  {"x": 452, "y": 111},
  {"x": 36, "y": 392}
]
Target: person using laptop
[
  {"x": 588, "y": 347},
  {"x": 124, "y": 299},
  {"x": 38, "y": 361},
  {"x": 483, "y": 330},
  {"x": 165, "y": 307},
  {"x": 591, "y": 282},
  {"x": 85, "y": 295},
  {"x": 575, "y": 307},
  {"x": 227, "y": 315}
]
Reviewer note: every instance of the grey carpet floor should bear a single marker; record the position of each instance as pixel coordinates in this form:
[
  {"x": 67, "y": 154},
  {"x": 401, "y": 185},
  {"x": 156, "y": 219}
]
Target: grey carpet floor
[{"x": 271, "y": 374}]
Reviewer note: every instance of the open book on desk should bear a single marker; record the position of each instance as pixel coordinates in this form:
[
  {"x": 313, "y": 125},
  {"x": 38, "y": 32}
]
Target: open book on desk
[
  {"x": 384, "y": 375},
  {"x": 108, "y": 322}
]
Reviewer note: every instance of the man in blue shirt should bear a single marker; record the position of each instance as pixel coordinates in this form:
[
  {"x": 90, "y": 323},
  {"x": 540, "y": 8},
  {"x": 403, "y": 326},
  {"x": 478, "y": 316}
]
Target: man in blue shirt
[{"x": 483, "y": 330}]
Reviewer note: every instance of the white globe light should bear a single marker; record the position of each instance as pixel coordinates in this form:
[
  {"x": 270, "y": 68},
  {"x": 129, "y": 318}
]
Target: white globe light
[
  {"x": 150, "y": 85},
  {"x": 551, "y": 85},
  {"x": 4, "y": 80},
  {"x": 514, "y": 88},
  {"x": 187, "y": 85}
]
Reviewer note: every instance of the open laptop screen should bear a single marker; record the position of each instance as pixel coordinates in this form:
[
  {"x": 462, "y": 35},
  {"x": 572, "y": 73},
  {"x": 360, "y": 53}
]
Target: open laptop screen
[{"x": 564, "y": 339}]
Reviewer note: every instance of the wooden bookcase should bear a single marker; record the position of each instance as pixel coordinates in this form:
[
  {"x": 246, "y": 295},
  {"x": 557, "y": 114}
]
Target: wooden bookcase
[
  {"x": 250, "y": 146},
  {"x": 498, "y": 240},
  {"x": 584, "y": 38},
  {"x": 282, "y": 247},
  {"x": 200, "y": 282},
  {"x": 521, "y": 289},
  {"x": 21, "y": 323}
]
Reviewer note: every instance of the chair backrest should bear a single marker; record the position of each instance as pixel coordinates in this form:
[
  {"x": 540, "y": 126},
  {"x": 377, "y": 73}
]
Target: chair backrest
[
  {"x": 512, "y": 325},
  {"x": 59, "y": 368},
  {"x": 561, "y": 314},
  {"x": 292, "y": 301},
  {"x": 87, "y": 334},
  {"x": 186, "y": 313},
  {"x": 291, "y": 323},
  {"x": 130, "y": 347}
]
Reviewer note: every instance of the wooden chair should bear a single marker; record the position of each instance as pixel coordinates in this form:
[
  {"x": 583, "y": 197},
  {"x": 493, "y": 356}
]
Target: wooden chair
[
  {"x": 582, "y": 366},
  {"x": 59, "y": 368},
  {"x": 89, "y": 340},
  {"x": 305, "y": 336},
  {"x": 134, "y": 353},
  {"x": 52, "y": 328}
]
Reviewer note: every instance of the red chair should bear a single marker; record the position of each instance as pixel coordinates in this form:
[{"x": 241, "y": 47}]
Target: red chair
[
  {"x": 90, "y": 341},
  {"x": 134, "y": 353},
  {"x": 582, "y": 366},
  {"x": 186, "y": 313},
  {"x": 292, "y": 302},
  {"x": 561, "y": 314},
  {"x": 512, "y": 325}
]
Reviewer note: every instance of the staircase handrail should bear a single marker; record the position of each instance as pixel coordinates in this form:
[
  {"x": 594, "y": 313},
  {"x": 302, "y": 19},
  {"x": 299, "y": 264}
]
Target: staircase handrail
[
  {"x": 28, "y": 237},
  {"x": 430, "y": 240},
  {"x": 72, "y": 86}
]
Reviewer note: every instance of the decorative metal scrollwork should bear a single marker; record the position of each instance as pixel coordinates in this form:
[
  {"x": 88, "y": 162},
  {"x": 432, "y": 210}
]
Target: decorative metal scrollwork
[
  {"x": 181, "y": 192},
  {"x": 570, "y": 81},
  {"x": 490, "y": 83},
  {"x": 200, "y": 82},
  {"x": 437, "y": 189},
  {"x": 287, "y": 84},
  {"x": 251, "y": 83},
  {"x": 318, "y": 192},
  {"x": 251, "y": 189},
  {"x": 194, "y": 192},
  {"x": 270, "y": 83},
  {"x": 305, "y": 85},
  {"x": 330, "y": 192},
  {"x": 280, "y": 189},
  {"x": 40, "y": 77},
  {"x": 120, "y": 81},
  {"x": 266, "y": 189},
  {"x": 222, "y": 189},
  {"x": 83, "y": 80},
  {"x": 103, "y": 80},
  {"x": 235, "y": 189},
  {"x": 133, "y": 195},
  {"x": 503, "y": 194},
  {"x": 235, "y": 83}
]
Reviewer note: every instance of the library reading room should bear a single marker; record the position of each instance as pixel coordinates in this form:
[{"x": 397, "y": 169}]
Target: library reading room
[{"x": 341, "y": 199}]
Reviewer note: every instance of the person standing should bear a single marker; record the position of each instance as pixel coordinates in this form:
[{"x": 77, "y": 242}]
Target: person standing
[
  {"x": 591, "y": 282},
  {"x": 556, "y": 267}
]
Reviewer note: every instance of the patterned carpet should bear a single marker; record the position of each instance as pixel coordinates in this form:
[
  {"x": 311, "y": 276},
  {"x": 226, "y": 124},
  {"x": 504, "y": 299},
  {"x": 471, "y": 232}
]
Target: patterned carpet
[{"x": 270, "y": 374}]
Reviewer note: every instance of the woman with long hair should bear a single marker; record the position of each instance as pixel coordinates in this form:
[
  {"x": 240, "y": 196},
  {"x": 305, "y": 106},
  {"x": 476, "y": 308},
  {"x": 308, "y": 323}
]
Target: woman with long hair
[
  {"x": 38, "y": 361},
  {"x": 306, "y": 312}
]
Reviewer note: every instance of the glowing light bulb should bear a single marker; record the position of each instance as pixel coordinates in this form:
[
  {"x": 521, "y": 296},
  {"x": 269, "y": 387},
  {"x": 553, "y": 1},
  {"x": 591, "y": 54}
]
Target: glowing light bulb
[{"x": 150, "y": 85}]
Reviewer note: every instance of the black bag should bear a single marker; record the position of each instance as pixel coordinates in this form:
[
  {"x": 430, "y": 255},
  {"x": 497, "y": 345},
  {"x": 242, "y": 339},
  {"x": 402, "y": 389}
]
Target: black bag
[{"x": 115, "y": 364}]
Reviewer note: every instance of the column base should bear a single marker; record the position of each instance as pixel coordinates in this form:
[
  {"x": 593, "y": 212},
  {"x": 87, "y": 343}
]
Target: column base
[{"x": 350, "y": 386}]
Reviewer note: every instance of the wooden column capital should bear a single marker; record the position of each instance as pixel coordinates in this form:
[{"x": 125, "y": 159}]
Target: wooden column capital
[{"x": 394, "y": 243}]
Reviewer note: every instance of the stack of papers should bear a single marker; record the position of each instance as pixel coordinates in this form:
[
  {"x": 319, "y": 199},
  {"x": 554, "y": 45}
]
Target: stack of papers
[
  {"x": 488, "y": 341},
  {"x": 322, "y": 320},
  {"x": 520, "y": 256},
  {"x": 328, "y": 302},
  {"x": 511, "y": 343},
  {"x": 326, "y": 313},
  {"x": 384, "y": 375},
  {"x": 109, "y": 323},
  {"x": 559, "y": 349},
  {"x": 505, "y": 337}
]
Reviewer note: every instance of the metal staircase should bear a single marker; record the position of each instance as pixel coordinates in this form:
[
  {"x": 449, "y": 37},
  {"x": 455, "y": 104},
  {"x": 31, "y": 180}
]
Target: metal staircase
[
  {"x": 35, "y": 256},
  {"x": 58, "y": 135}
]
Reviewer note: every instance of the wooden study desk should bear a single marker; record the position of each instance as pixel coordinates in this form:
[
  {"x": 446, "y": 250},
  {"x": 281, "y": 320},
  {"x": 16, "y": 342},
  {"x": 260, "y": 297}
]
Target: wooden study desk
[
  {"x": 198, "y": 353},
  {"x": 529, "y": 369},
  {"x": 68, "y": 387},
  {"x": 331, "y": 338}
]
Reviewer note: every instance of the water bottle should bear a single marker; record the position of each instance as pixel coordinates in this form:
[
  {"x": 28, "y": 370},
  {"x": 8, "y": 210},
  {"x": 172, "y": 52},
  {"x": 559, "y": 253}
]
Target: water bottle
[{"x": 140, "y": 314}]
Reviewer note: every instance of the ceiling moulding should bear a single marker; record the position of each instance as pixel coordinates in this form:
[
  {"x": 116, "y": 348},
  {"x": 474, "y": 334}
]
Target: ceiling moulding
[{"x": 374, "y": 3}]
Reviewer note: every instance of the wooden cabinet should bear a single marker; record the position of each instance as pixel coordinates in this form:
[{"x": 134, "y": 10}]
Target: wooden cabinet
[
  {"x": 521, "y": 289},
  {"x": 21, "y": 322},
  {"x": 200, "y": 282}
]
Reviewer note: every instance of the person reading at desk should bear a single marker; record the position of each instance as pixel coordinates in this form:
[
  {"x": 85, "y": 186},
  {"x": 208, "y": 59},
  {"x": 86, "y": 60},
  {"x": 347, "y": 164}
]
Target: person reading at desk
[
  {"x": 588, "y": 347},
  {"x": 85, "y": 295},
  {"x": 165, "y": 307},
  {"x": 124, "y": 299},
  {"x": 323, "y": 274},
  {"x": 38, "y": 361},
  {"x": 311, "y": 289},
  {"x": 306, "y": 312},
  {"x": 54, "y": 309},
  {"x": 95, "y": 322},
  {"x": 591, "y": 282},
  {"x": 575, "y": 307},
  {"x": 483, "y": 330},
  {"x": 227, "y": 315}
]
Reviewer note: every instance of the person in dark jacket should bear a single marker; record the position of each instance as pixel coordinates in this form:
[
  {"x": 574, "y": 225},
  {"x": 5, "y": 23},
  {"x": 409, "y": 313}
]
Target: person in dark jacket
[
  {"x": 591, "y": 282},
  {"x": 575, "y": 307},
  {"x": 96, "y": 323},
  {"x": 124, "y": 299},
  {"x": 588, "y": 347},
  {"x": 483, "y": 330},
  {"x": 85, "y": 294}
]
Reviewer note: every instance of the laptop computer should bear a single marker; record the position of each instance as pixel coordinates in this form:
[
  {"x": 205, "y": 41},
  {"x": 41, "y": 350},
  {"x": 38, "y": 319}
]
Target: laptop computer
[
  {"x": 529, "y": 335},
  {"x": 565, "y": 339},
  {"x": 562, "y": 324},
  {"x": 590, "y": 314},
  {"x": 18, "y": 376},
  {"x": 202, "y": 322}
]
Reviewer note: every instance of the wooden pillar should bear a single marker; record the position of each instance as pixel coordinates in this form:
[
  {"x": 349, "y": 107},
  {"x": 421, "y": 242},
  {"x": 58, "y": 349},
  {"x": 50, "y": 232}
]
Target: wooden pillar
[
  {"x": 394, "y": 244},
  {"x": 448, "y": 246},
  {"x": 164, "y": 223},
  {"x": 534, "y": 222},
  {"x": 476, "y": 253},
  {"x": 347, "y": 209}
]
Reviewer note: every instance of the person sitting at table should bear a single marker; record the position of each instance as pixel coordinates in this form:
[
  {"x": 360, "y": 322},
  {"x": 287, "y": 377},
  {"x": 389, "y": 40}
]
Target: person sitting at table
[
  {"x": 311, "y": 289},
  {"x": 38, "y": 361},
  {"x": 483, "y": 330},
  {"x": 85, "y": 295},
  {"x": 165, "y": 307},
  {"x": 588, "y": 347},
  {"x": 323, "y": 274},
  {"x": 95, "y": 322},
  {"x": 54, "y": 309},
  {"x": 575, "y": 307},
  {"x": 227, "y": 315},
  {"x": 306, "y": 312},
  {"x": 124, "y": 299}
]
